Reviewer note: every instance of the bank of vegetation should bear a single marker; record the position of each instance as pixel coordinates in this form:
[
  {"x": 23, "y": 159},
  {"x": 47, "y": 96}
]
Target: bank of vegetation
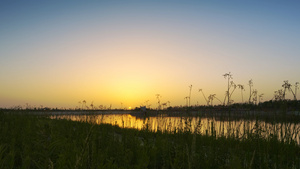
[{"x": 30, "y": 141}]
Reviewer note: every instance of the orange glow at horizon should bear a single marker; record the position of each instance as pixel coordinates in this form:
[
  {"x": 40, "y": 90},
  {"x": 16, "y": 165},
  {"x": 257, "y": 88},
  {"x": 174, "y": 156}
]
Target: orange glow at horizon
[{"x": 106, "y": 53}]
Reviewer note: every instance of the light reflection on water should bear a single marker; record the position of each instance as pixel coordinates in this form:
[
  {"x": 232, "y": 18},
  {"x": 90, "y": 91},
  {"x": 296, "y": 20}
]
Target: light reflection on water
[{"x": 208, "y": 126}]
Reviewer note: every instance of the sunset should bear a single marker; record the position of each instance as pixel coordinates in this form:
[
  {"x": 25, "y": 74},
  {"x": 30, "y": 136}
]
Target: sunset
[
  {"x": 150, "y": 84},
  {"x": 57, "y": 53}
]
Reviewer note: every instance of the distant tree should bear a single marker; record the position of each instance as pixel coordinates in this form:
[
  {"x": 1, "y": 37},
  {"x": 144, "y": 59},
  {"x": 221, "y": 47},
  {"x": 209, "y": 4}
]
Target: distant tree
[
  {"x": 92, "y": 105},
  {"x": 27, "y": 106},
  {"x": 79, "y": 104},
  {"x": 163, "y": 105},
  {"x": 147, "y": 104},
  {"x": 18, "y": 107},
  {"x": 158, "y": 96},
  {"x": 83, "y": 104}
]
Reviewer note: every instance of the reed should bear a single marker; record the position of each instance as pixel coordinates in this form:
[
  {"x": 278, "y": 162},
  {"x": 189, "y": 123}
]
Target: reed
[{"x": 30, "y": 141}]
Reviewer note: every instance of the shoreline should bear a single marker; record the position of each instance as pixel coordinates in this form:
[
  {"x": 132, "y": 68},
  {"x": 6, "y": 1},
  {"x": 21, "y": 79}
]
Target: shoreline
[{"x": 232, "y": 114}]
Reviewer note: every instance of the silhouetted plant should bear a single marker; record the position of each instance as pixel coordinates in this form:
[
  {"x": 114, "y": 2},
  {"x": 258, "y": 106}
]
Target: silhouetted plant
[
  {"x": 217, "y": 98},
  {"x": 228, "y": 76},
  {"x": 168, "y": 103},
  {"x": 211, "y": 99},
  {"x": 147, "y": 104},
  {"x": 163, "y": 105},
  {"x": 92, "y": 105},
  {"x": 286, "y": 86},
  {"x": 242, "y": 89},
  {"x": 28, "y": 106},
  {"x": 232, "y": 84},
  {"x": 158, "y": 96},
  {"x": 225, "y": 98},
  {"x": 253, "y": 93},
  {"x": 190, "y": 94},
  {"x": 187, "y": 100},
  {"x": 260, "y": 97},
  {"x": 296, "y": 87},
  {"x": 83, "y": 104},
  {"x": 32, "y": 142},
  {"x": 254, "y": 96},
  {"x": 250, "y": 83},
  {"x": 278, "y": 95},
  {"x": 79, "y": 104},
  {"x": 200, "y": 90}
]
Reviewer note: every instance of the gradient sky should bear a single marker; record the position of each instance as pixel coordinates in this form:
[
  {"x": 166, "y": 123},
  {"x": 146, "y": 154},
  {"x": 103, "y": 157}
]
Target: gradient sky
[{"x": 57, "y": 53}]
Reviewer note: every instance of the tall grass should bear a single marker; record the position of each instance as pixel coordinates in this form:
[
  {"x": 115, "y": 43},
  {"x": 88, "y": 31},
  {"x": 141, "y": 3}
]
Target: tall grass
[
  {"x": 212, "y": 126},
  {"x": 29, "y": 141}
]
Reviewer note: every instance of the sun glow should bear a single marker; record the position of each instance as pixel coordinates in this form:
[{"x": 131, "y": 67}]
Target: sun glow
[
  {"x": 112, "y": 53},
  {"x": 129, "y": 108}
]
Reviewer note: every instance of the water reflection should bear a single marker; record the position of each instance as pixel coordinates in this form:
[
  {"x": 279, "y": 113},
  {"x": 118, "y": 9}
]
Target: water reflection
[{"x": 208, "y": 126}]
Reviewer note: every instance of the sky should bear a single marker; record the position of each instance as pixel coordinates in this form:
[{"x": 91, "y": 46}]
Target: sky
[{"x": 122, "y": 53}]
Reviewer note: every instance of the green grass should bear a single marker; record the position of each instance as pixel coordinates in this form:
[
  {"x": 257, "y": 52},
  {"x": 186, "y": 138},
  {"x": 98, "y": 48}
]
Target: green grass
[{"x": 29, "y": 141}]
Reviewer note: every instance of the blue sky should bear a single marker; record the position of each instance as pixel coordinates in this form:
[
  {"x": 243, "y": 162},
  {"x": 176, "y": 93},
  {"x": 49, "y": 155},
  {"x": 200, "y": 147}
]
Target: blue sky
[{"x": 56, "y": 53}]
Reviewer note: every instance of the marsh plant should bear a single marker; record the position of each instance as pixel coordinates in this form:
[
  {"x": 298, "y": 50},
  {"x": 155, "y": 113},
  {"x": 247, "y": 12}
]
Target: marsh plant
[
  {"x": 296, "y": 88},
  {"x": 207, "y": 102},
  {"x": 39, "y": 142},
  {"x": 242, "y": 89},
  {"x": 250, "y": 83},
  {"x": 190, "y": 94},
  {"x": 228, "y": 76},
  {"x": 158, "y": 96}
]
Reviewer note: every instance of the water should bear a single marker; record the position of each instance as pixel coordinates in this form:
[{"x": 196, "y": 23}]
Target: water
[{"x": 205, "y": 126}]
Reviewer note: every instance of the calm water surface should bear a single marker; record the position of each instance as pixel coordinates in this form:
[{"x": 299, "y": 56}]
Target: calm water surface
[{"x": 207, "y": 126}]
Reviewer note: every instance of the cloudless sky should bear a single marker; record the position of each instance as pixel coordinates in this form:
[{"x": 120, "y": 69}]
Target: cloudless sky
[{"x": 57, "y": 53}]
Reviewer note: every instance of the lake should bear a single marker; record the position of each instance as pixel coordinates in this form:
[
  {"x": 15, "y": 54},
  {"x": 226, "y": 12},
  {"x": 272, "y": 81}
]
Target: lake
[{"x": 206, "y": 126}]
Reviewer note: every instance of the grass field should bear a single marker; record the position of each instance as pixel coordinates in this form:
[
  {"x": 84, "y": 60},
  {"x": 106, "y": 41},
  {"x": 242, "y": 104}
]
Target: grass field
[{"x": 30, "y": 141}]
